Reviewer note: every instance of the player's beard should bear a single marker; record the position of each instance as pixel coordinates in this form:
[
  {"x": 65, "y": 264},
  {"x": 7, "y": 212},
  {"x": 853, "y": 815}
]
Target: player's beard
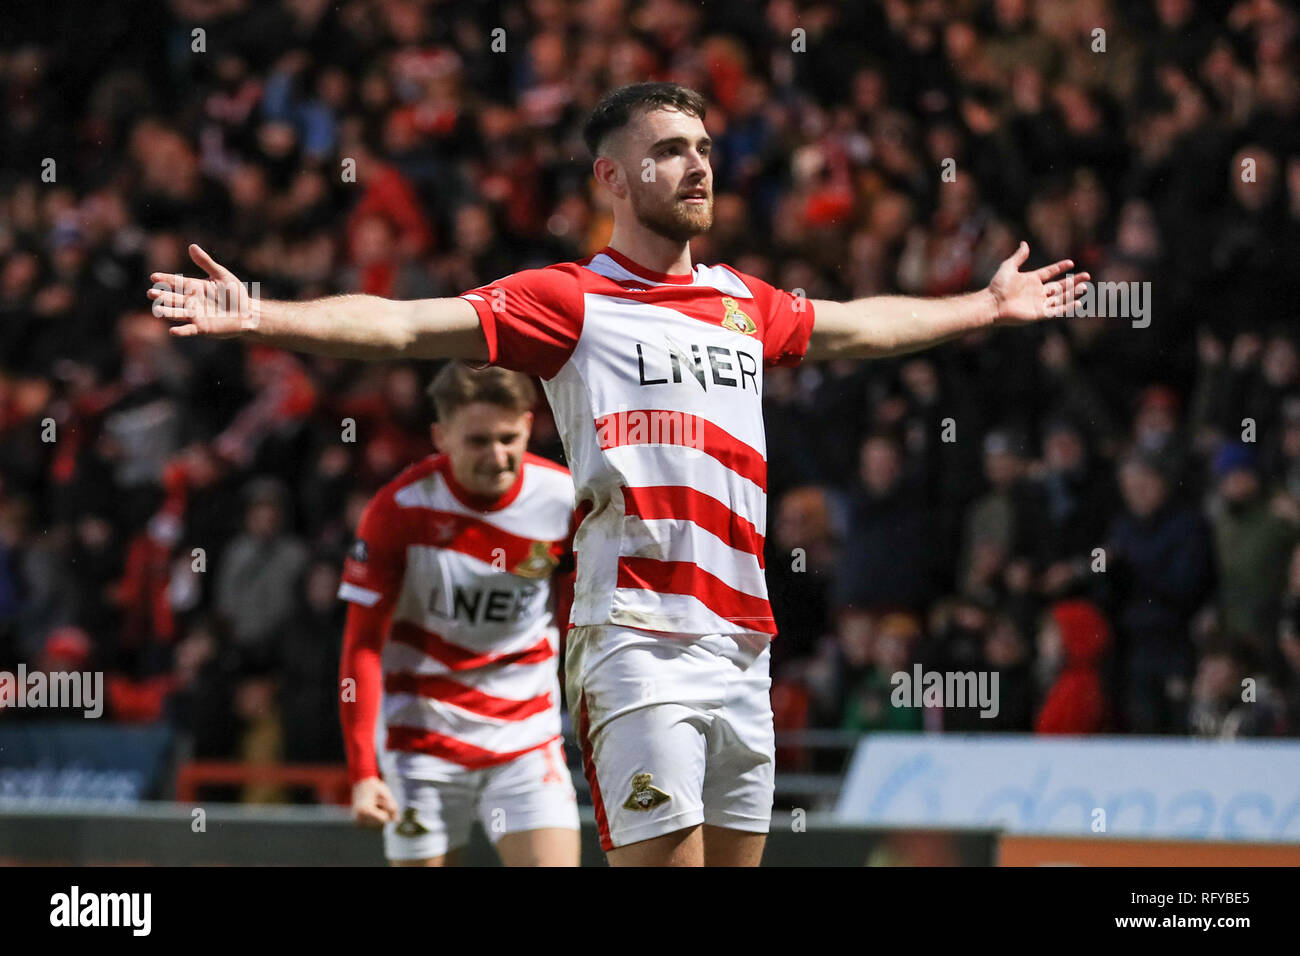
[{"x": 674, "y": 219}]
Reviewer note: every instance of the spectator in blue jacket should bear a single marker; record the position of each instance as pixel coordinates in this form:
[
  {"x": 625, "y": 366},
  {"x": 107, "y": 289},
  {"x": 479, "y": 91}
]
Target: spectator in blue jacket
[{"x": 1160, "y": 568}]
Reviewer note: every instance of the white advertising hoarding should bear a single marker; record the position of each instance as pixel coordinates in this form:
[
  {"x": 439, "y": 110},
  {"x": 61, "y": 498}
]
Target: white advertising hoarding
[{"x": 1116, "y": 786}]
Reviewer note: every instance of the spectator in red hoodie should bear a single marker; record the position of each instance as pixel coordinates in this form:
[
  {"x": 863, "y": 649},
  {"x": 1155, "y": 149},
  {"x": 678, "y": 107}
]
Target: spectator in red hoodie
[
  {"x": 391, "y": 196},
  {"x": 1072, "y": 642}
]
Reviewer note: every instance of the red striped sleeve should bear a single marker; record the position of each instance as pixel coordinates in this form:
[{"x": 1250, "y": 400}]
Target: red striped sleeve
[
  {"x": 363, "y": 642},
  {"x": 376, "y": 561},
  {"x": 531, "y": 319}
]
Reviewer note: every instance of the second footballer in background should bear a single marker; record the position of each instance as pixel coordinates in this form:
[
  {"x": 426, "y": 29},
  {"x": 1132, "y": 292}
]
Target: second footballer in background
[{"x": 451, "y": 581}]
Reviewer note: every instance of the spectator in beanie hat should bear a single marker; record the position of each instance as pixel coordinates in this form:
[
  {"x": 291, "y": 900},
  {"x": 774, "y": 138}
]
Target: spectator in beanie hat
[
  {"x": 1253, "y": 538},
  {"x": 1008, "y": 522},
  {"x": 1157, "y": 430}
]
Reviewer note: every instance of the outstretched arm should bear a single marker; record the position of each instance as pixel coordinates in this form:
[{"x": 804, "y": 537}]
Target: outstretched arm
[
  {"x": 895, "y": 325},
  {"x": 343, "y": 326}
]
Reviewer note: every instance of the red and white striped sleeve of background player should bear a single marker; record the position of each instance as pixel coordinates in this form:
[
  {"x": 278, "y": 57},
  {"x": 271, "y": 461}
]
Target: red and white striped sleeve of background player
[
  {"x": 469, "y": 660},
  {"x": 656, "y": 382}
]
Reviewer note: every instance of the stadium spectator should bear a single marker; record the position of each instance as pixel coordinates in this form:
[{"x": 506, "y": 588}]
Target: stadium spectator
[
  {"x": 1254, "y": 535},
  {"x": 200, "y": 705},
  {"x": 1223, "y": 704},
  {"x": 1008, "y": 654},
  {"x": 1006, "y": 524},
  {"x": 1288, "y": 647},
  {"x": 67, "y": 650},
  {"x": 1072, "y": 642},
  {"x": 307, "y": 669},
  {"x": 1160, "y": 565},
  {"x": 1079, "y": 500},
  {"x": 955, "y": 642},
  {"x": 888, "y": 550},
  {"x": 870, "y": 703},
  {"x": 843, "y": 658},
  {"x": 258, "y": 578},
  {"x": 1157, "y": 432},
  {"x": 800, "y": 567}
]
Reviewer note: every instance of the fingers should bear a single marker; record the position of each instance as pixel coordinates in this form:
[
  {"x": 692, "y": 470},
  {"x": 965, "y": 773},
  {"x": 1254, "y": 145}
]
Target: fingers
[
  {"x": 1058, "y": 287},
  {"x": 209, "y": 265},
  {"x": 167, "y": 303},
  {"x": 183, "y": 331},
  {"x": 375, "y": 815},
  {"x": 171, "y": 305},
  {"x": 1052, "y": 271},
  {"x": 1061, "y": 298},
  {"x": 174, "y": 282},
  {"x": 1079, "y": 279},
  {"x": 1020, "y": 255}
]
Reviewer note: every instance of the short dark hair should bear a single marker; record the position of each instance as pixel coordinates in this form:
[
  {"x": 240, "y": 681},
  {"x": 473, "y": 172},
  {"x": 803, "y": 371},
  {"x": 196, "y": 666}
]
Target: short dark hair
[
  {"x": 617, "y": 107},
  {"x": 457, "y": 385}
]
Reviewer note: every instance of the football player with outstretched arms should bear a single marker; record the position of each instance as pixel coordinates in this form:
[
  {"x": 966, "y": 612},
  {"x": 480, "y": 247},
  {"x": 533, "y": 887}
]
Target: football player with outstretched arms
[
  {"x": 653, "y": 366},
  {"x": 451, "y": 583}
]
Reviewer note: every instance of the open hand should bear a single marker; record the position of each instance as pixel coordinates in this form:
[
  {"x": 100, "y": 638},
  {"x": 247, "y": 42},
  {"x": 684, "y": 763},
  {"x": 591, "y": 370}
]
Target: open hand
[
  {"x": 1024, "y": 297},
  {"x": 218, "y": 306}
]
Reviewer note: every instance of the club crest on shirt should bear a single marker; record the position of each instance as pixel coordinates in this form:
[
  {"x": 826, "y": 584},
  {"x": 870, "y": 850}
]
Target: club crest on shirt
[
  {"x": 410, "y": 826},
  {"x": 539, "y": 563},
  {"x": 735, "y": 319},
  {"x": 644, "y": 795},
  {"x": 444, "y": 531}
]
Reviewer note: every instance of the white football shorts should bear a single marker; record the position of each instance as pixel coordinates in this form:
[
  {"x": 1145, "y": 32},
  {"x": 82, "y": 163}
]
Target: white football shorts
[
  {"x": 675, "y": 729},
  {"x": 531, "y": 792}
]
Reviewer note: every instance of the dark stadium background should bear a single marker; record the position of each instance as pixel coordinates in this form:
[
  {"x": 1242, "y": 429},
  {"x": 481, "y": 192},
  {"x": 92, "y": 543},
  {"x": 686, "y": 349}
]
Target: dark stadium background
[{"x": 975, "y": 553}]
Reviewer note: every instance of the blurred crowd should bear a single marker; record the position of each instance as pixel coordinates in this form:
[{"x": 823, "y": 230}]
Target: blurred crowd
[{"x": 1102, "y": 511}]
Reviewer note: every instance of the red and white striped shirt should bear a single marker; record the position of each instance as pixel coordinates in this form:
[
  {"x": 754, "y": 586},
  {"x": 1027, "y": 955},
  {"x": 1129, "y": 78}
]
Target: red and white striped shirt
[
  {"x": 656, "y": 383},
  {"x": 469, "y": 664}
]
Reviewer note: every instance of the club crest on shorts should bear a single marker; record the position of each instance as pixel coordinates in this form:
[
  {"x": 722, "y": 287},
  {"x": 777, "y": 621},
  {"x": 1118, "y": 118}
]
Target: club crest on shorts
[
  {"x": 644, "y": 795},
  {"x": 735, "y": 319},
  {"x": 411, "y": 825},
  {"x": 539, "y": 563}
]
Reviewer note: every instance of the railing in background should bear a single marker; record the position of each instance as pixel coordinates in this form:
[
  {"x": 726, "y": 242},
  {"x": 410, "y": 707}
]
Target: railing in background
[{"x": 821, "y": 757}]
